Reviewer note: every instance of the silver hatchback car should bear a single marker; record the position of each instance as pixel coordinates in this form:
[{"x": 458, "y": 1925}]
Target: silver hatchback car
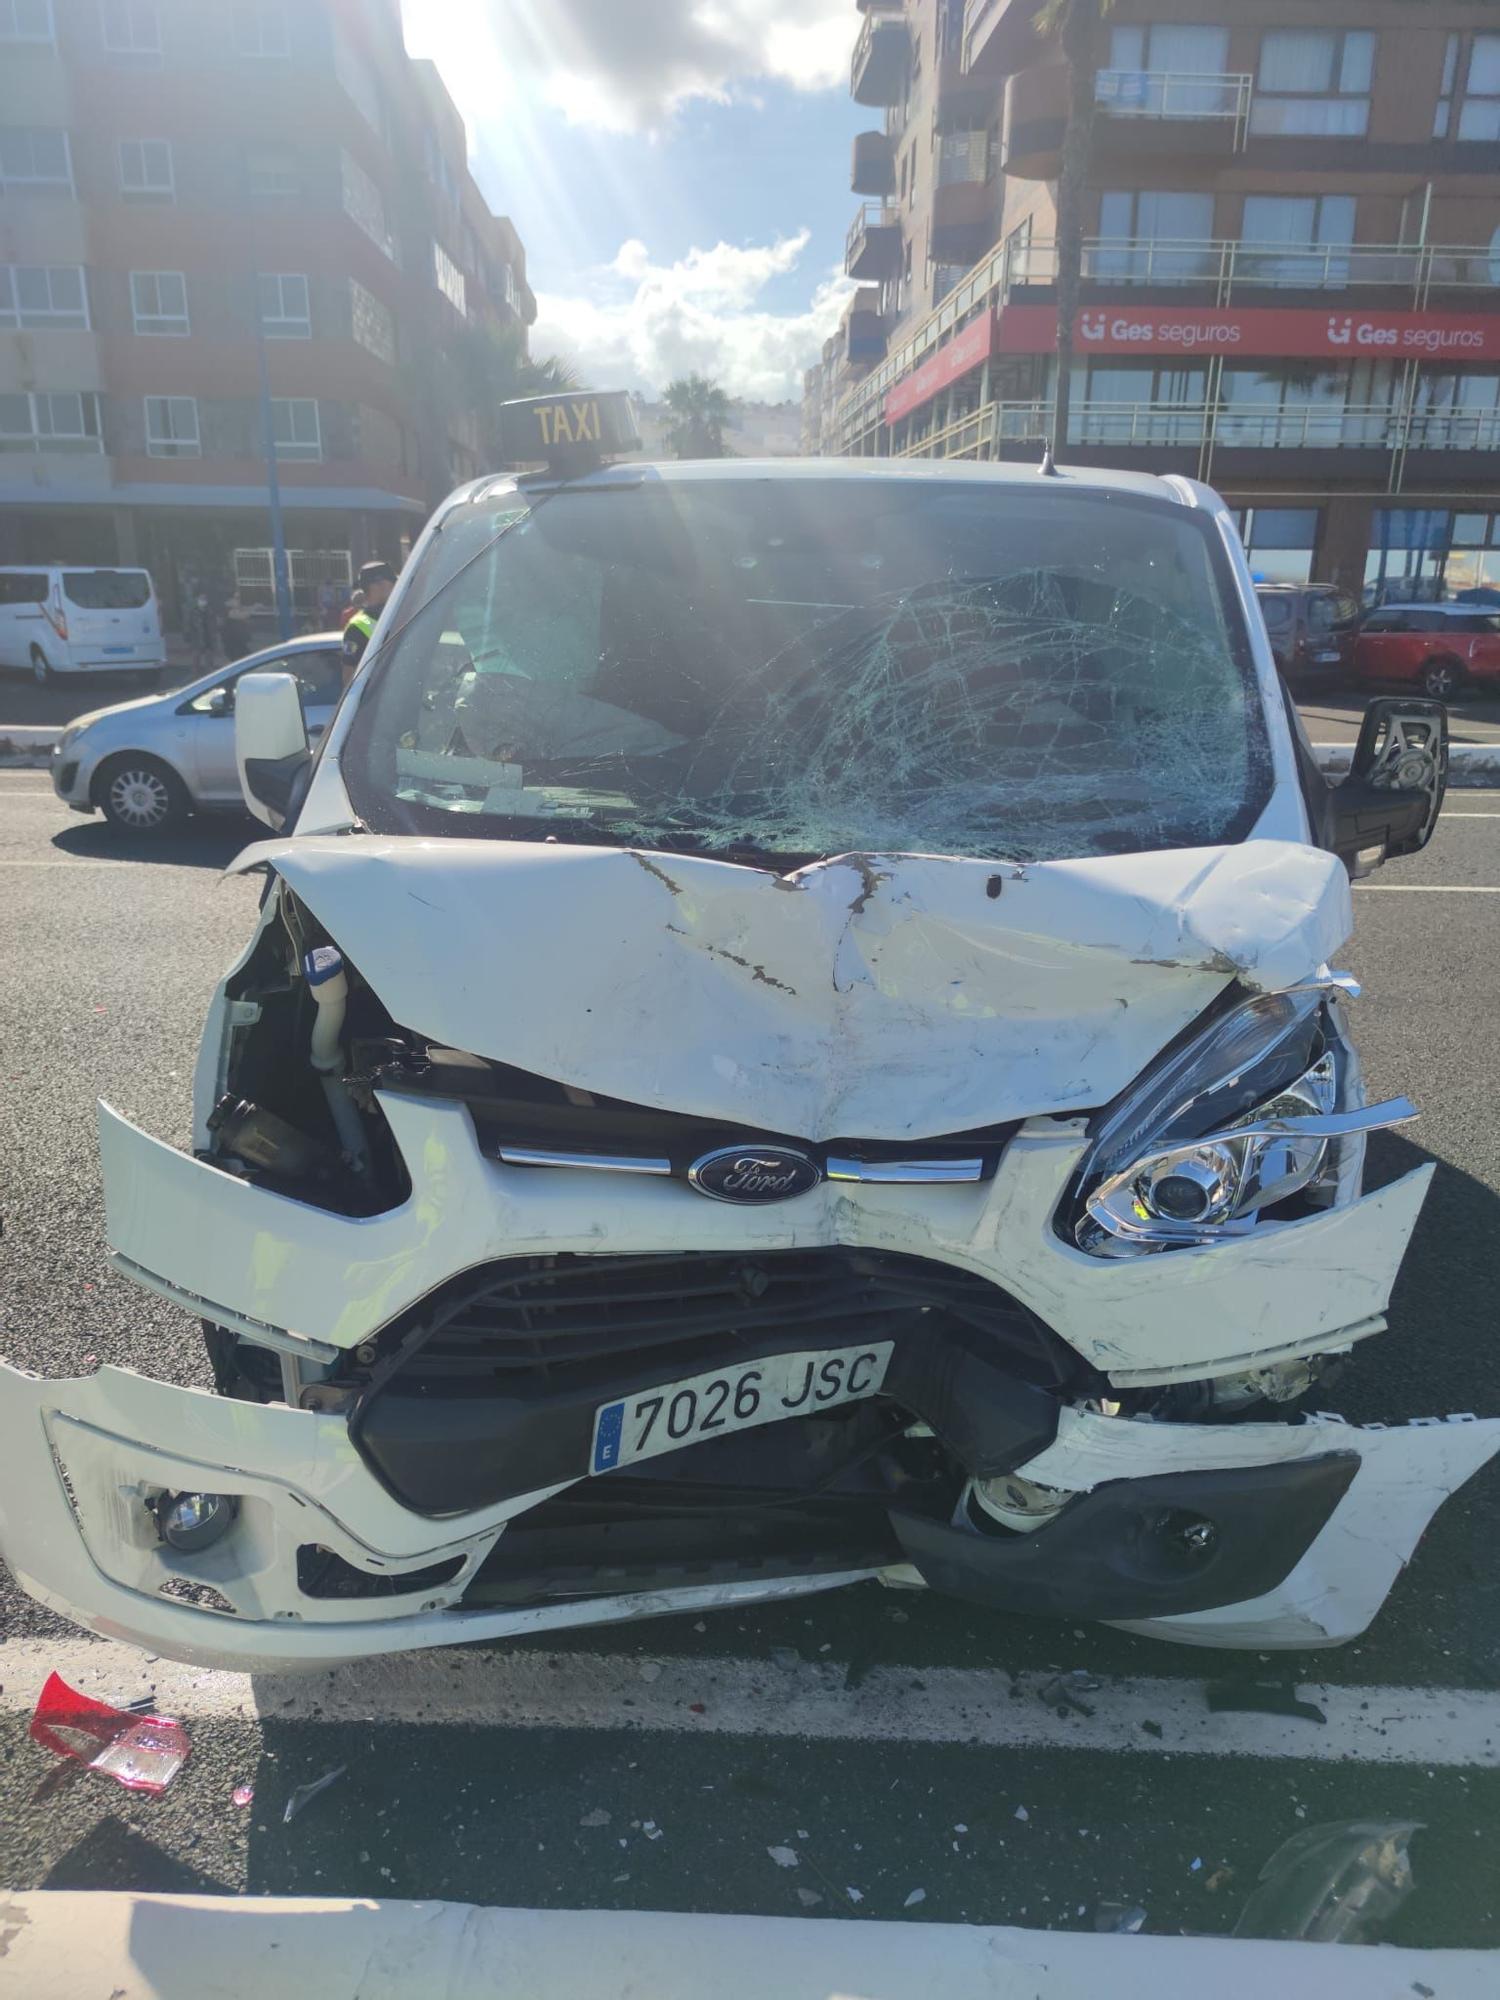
[{"x": 147, "y": 764}]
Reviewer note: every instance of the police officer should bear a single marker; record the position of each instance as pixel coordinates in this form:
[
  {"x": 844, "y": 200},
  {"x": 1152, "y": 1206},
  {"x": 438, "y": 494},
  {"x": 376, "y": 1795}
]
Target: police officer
[{"x": 377, "y": 580}]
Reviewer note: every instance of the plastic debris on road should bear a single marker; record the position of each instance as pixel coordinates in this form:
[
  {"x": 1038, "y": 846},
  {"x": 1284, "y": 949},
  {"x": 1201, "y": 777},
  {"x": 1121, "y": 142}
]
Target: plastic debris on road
[
  {"x": 244, "y": 1795},
  {"x": 1063, "y": 1691},
  {"x": 1122, "y": 1918},
  {"x": 784, "y": 1857},
  {"x": 142, "y": 1752},
  {"x": 1334, "y": 1884},
  {"x": 305, "y": 1794},
  {"x": 916, "y": 1896}
]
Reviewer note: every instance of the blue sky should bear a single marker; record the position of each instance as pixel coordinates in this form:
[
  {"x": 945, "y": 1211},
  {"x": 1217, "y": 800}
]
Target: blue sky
[{"x": 678, "y": 170}]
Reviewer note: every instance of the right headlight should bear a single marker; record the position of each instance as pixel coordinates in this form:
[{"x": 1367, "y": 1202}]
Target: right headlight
[{"x": 1237, "y": 1120}]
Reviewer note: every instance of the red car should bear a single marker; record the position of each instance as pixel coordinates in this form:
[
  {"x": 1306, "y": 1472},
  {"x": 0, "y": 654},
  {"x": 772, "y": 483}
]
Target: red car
[{"x": 1444, "y": 647}]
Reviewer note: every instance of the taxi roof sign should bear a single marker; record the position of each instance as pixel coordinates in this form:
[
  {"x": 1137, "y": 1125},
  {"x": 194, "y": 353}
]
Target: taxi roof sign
[{"x": 569, "y": 428}]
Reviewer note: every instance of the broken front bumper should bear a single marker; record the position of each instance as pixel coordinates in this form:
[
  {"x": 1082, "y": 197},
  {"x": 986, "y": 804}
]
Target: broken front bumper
[{"x": 83, "y": 1458}]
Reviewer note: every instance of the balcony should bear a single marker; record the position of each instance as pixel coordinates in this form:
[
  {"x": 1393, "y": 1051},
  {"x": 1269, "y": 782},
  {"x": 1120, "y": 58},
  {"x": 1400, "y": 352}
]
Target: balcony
[
  {"x": 963, "y": 221},
  {"x": 1000, "y": 37},
  {"x": 881, "y": 60},
  {"x": 1143, "y": 114},
  {"x": 874, "y": 166},
  {"x": 1222, "y": 268},
  {"x": 872, "y": 251},
  {"x": 1107, "y": 429},
  {"x": 862, "y": 329}
]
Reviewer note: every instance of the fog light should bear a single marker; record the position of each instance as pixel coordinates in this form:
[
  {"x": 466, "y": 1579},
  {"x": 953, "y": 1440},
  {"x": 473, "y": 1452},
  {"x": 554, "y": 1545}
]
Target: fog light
[
  {"x": 1188, "y": 1538},
  {"x": 191, "y": 1522}
]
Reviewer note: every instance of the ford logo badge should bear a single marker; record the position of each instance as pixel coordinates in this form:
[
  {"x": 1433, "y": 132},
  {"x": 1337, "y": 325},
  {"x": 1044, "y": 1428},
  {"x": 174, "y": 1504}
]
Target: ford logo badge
[{"x": 754, "y": 1174}]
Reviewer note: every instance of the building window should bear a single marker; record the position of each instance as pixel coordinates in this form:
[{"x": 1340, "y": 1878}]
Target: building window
[
  {"x": 260, "y": 29},
  {"x": 272, "y": 174},
  {"x": 285, "y": 309},
  {"x": 1408, "y": 555},
  {"x": 1170, "y": 70},
  {"x": 1154, "y": 236},
  {"x": 373, "y": 323},
  {"x": 449, "y": 279},
  {"x": 146, "y": 170},
  {"x": 35, "y": 156},
  {"x": 63, "y": 421},
  {"x": 172, "y": 427},
  {"x": 26, "y": 21},
  {"x": 131, "y": 27},
  {"x": 512, "y": 290},
  {"x": 364, "y": 204},
  {"x": 1280, "y": 542},
  {"x": 158, "y": 300},
  {"x": 1479, "y": 114},
  {"x": 295, "y": 427},
  {"x": 1314, "y": 81},
  {"x": 43, "y": 295},
  {"x": 963, "y": 156},
  {"x": 1444, "y": 115},
  {"x": 1296, "y": 239}
]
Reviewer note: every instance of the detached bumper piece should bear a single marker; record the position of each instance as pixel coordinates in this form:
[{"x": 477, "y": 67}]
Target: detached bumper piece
[{"x": 1138, "y": 1549}]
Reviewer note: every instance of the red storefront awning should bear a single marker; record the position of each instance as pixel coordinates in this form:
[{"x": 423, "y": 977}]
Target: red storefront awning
[
  {"x": 969, "y": 348},
  {"x": 1346, "y": 333}
]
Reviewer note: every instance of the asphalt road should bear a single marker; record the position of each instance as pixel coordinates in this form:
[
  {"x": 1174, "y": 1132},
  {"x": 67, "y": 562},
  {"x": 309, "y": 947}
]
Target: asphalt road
[{"x": 108, "y": 953}]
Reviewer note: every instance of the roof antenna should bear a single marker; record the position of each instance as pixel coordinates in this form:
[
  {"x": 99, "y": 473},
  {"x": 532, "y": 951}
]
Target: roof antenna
[{"x": 1047, "y": 468}]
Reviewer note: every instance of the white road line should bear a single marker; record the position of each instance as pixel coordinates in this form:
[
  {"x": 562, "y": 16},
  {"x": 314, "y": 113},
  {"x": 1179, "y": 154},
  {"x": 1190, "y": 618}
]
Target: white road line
[
  {"x": 1426, "y": 889},
  {"x": 729, "y": 1697}
]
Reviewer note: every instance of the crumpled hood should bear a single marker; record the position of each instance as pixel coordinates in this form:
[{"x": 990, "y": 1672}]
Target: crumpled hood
[{"x": 873, "y": 997}]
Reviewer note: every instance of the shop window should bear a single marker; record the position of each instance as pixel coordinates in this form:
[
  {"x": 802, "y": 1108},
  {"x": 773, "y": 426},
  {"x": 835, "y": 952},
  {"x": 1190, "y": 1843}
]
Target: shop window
[{"x": 1279, "y": 543}]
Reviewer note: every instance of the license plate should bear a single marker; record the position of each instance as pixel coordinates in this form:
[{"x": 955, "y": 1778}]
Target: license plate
[
  {"x": 1327, "y": 659},
  {"x": 735, "y": 1399},
  {"x": 112, "y": 650}
]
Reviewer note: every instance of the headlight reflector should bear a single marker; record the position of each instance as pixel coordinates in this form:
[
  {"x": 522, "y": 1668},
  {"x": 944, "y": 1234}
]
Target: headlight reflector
[{"x": 1199, "y": 1190}]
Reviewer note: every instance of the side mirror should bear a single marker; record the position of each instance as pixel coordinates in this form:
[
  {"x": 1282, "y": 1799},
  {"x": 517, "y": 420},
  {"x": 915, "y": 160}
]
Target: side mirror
[
  {"x": 1398, "y": 777},
  {"x": 270, "y": 745}
]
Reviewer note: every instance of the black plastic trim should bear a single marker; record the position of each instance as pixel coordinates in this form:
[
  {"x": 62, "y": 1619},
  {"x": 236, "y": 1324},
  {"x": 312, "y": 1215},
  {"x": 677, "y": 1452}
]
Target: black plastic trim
[{"x": 1116, "y": 1552}]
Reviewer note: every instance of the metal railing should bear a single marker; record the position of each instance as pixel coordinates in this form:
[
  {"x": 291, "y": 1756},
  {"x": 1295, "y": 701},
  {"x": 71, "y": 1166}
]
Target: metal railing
[
  {"x": 871, "y": 215},
  {"x": 874, "y": 21},
  {"x": 1223, "y": 96},
  {"x": 1220, "y": 264},
  {"x": 1225, "y": 263},
  {"x": 1133, "y": 426}
]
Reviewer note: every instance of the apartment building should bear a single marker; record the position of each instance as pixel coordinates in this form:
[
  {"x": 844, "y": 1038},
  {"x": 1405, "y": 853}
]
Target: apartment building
[
  {"x": 1291, "y": 273},
  {"x": 189, "y": 188}
]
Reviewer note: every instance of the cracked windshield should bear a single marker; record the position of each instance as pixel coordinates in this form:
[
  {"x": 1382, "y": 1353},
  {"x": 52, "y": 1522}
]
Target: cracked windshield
[{"x": 786, "y": 670}]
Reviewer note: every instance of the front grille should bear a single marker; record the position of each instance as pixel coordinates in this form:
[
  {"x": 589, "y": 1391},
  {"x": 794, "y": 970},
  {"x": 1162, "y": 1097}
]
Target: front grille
[
  {"x": 514, "y": 1111},
  {"x": 539, "y": 1316}
]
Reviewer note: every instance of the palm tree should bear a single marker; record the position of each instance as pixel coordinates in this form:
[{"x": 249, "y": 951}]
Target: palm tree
[
  {"x": 697, "y": 411},
  {"x": 1076, "y": 26},
  {"x": 492, "y": 366}
]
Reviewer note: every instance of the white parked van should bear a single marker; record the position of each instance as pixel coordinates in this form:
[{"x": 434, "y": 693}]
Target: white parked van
[{"x": 67, "y": 621}]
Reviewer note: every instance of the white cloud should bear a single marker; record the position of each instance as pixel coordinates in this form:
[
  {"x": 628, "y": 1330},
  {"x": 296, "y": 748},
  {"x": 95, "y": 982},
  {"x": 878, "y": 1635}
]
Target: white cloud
[
  {"x": 627, "y": 65},
  {"x": 640, "y": 324}
]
